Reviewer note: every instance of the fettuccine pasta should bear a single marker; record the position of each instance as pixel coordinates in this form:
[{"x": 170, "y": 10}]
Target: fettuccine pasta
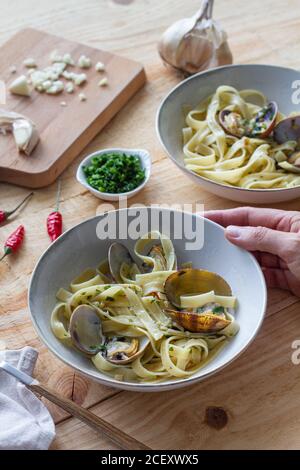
[
  {"x": 246, "y": 162},
  {"x": 138, "y": 308}
]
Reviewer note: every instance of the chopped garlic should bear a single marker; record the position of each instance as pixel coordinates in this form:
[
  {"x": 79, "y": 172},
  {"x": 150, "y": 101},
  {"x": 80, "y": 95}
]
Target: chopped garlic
[
  {"x": 55, "y": 88},
  {"x": 82, "y": 97},
  {"x": 68, "y": 75},
  {"x": 69, "y": 87},
  {"x": 38, "y": 77},
  {"x": 77, "y": 78},
  {"x": 84, "y": 62},
  {"x": 55, "y": 57},
  {"x": 67, "y": 59},
  {"x": 13, "y": 69},
  {"x": 80, "y": 78},
  {"x": 30, "y": 71},
  {"x": 20, "y": 86},
  {"x": 30, "y": 63},
  {"x": 63, "y": 103},
  {"x": 103, "y": 82},
  {"x": 46, "y": 85},
  {"x": 100, "y": 67},
  {"x": 55, "y": 70}
]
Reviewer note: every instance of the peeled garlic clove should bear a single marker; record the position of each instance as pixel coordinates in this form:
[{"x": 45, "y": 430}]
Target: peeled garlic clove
[
  {"x": 196, "y": 43},
  {"x": 24, "y": 130},
  {"x": 26, "y": 135},
  {"x": 20, "y": 86}
]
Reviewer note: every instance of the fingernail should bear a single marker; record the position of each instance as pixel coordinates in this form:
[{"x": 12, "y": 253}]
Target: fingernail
[{"x": 233, "y": 232}]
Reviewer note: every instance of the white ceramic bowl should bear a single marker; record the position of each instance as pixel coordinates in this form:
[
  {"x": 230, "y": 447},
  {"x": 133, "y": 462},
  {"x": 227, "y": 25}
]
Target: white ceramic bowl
[
  {"x": 146, "y": 164},
  {"x": 275, "y": 82},
  {"x": 79, "y": 248}
]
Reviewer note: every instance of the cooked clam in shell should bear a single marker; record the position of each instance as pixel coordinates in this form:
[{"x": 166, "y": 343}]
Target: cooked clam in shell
[
  {"x": 191, "y": 282},
  {"x": 86, "y": 334},
  {"x": 260, "y": 126}
]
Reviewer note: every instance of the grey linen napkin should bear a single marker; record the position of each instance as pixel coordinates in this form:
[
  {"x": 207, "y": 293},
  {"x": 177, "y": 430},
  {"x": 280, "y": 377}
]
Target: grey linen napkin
[{"x": 25, "y": 423}]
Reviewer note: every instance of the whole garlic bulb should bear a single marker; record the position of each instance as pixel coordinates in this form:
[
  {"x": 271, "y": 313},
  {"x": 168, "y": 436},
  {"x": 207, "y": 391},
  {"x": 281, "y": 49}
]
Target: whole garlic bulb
[{"x": 195, "y": 44}]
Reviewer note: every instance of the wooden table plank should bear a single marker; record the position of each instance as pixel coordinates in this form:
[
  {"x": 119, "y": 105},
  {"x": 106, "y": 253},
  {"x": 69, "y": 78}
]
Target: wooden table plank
[
  {"x": 260, "y": 390},
  {"x": 260, "y": 393}
]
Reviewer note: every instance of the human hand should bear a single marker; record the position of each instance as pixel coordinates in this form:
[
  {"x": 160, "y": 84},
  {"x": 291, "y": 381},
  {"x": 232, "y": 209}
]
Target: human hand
[{"x": 272, "y": 235}]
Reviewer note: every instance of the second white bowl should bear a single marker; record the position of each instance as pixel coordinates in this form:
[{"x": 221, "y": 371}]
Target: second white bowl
[{"x": 275, "y": 82}]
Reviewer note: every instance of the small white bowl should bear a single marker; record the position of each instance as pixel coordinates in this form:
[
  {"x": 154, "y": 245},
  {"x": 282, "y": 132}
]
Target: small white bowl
[{"x": 145, "y": 161}]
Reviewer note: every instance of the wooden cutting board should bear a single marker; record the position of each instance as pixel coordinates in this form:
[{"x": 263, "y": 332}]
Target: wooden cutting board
[{"x": 64, "y": 131}]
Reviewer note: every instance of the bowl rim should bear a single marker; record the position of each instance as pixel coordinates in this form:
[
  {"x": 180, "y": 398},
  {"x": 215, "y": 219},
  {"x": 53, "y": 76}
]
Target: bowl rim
[
  {"x": 144, "y": 156},
  {"x": 136, "y": 386},
  {"x": 179, "y": 164}
]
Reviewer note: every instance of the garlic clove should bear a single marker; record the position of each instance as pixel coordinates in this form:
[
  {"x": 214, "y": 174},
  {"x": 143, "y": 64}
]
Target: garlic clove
[
  {"x": 26, "y": 135},
  {"x": 20, "y": 86},
  {"x": 24, "y": 130},
  {"x": 224, "y": 55},
  {"x": 195, "y": 44}
]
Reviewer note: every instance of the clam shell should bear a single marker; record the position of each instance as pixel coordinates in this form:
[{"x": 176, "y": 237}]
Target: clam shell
[
  {"x": 192, "y": 281},
  {"x": 117, "y": 255},
  {"x": 136, "y": 349},
  {"x": 287, "y": 129},
  {"x": 271, "y": 108},
  {"x": 199, "y": 323},
  {"x": 86, "y": 330}
]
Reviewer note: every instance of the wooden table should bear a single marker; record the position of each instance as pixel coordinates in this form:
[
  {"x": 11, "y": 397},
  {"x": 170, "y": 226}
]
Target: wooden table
[{"x": 261, "y": 390}]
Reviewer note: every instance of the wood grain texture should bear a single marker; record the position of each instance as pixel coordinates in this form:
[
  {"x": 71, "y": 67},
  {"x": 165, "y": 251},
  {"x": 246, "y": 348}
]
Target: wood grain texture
[
  {"x": 260, "y": 391},
  {"x": 64, "y": 130},
  {"x": 113, "y": 433}
]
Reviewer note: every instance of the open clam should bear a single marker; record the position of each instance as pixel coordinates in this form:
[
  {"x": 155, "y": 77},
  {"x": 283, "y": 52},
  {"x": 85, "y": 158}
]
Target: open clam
[
  {"x": 87, "y": 336},
  {"x": 86, "y": 330},
  {"x": 287, "y": 129},
  {"x": 123, "y": 350},
  {"x": 189, "y": 282},
  {"x": 117, "y": 255},
  {"x": 157, "y": 254},
  {"x": 260, "y": 126}
]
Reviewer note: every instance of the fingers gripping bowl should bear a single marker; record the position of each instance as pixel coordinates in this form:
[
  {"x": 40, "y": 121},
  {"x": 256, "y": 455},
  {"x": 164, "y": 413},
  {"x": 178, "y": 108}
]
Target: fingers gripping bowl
[
  {"x": 226, "y": 129},
  {"x": 80, "y": 248}
]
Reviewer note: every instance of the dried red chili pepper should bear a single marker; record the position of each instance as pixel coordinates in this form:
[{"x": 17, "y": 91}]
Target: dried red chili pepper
[
  {"x": 14, "y": 241},
  {"x": 4, "y": 215},
  {"x": 54, "y": 220}
]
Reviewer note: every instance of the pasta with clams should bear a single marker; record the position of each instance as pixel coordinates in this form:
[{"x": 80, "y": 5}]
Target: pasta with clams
[
  {"x": 134, "y": 330},
  {"x": 230, "y": 138}
]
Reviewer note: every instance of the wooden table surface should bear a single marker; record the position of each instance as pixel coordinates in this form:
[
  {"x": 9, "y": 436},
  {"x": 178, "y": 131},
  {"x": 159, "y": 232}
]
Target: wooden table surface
[{"x": 261, "y": 390}]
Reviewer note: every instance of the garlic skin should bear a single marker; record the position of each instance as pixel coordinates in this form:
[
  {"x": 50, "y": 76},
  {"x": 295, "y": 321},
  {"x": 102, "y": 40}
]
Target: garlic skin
[
  {"x": 23, "y": 129},
  {"x": 195, "y": 44}
]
